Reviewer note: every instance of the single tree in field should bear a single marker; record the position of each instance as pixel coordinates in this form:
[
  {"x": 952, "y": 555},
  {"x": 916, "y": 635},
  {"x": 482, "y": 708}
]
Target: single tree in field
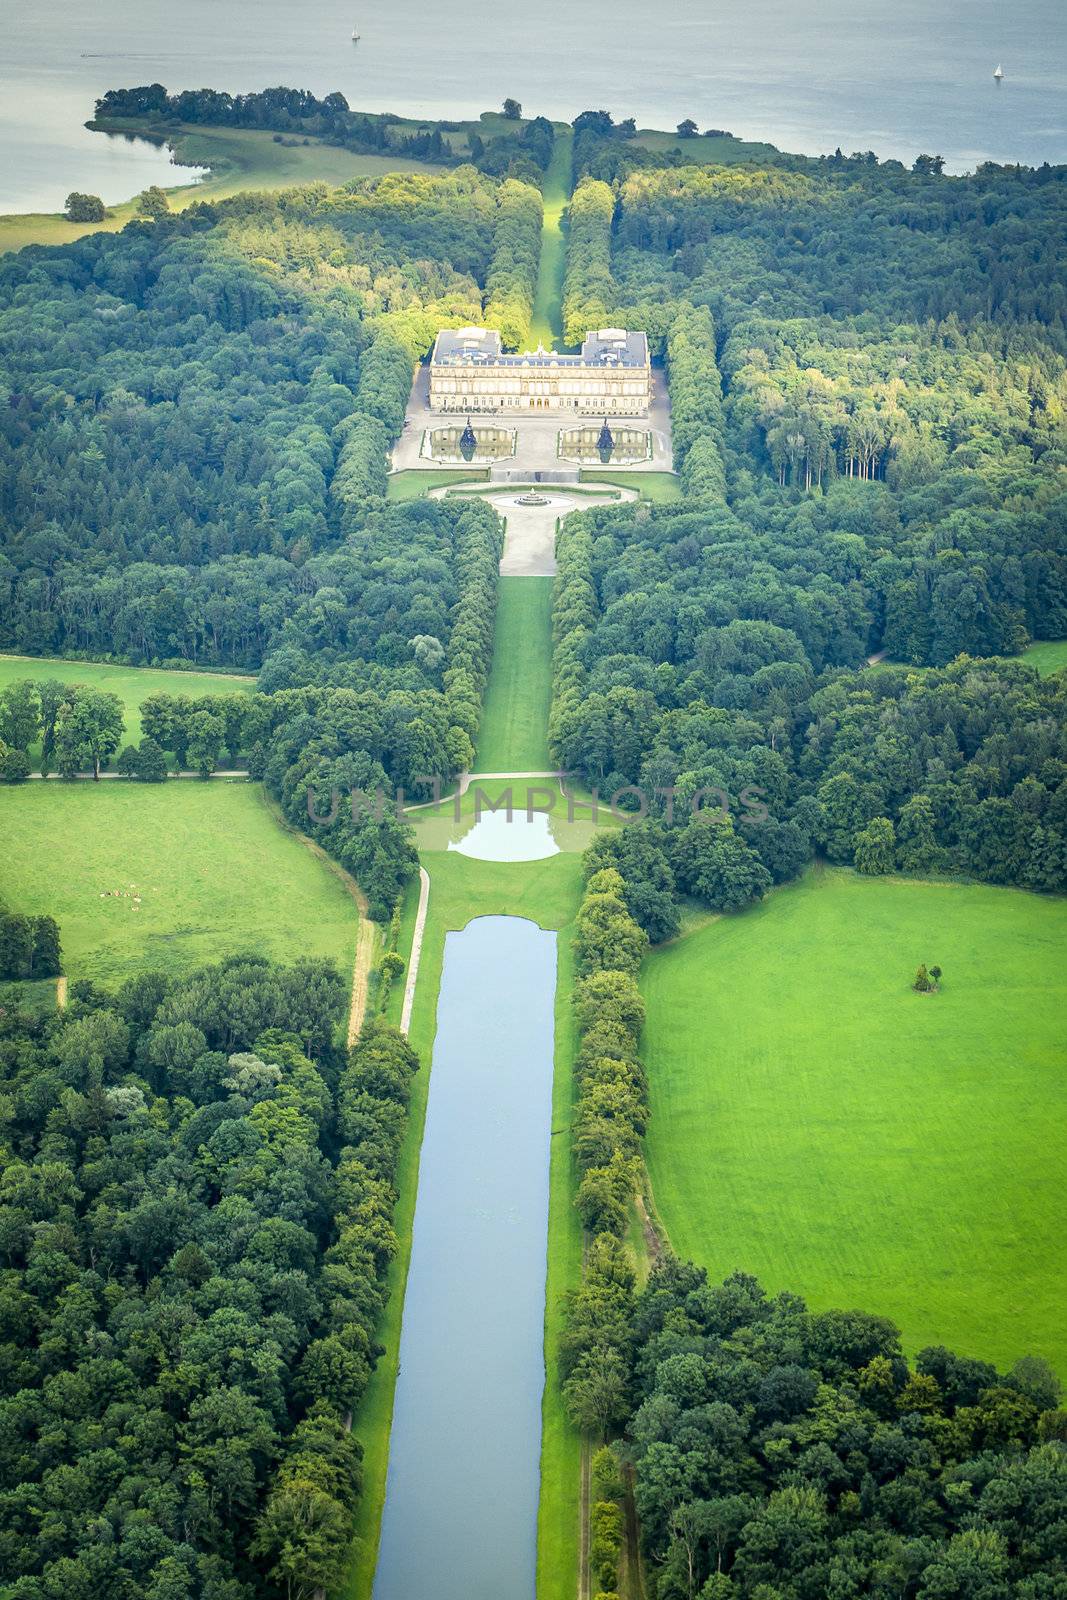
[
  {"x": 153, "y": 202},
  {"x": 512, "y": 109},
  {"x": 687, "y": 129},
  {"x": 85, "y": 207},
  {"x": 88, "y": 731},
  {"x": 922, "y": 981},
  {"x": 935, "y": 973}
]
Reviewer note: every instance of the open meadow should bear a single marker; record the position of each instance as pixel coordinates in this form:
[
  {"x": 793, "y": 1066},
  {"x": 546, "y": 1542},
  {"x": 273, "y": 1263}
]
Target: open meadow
[
  {"x": 133, "y": 685},
  {"x": 214, "y": 871},
  {"x": 1047, "y": 655},
  {"x": 818, "y": 1123}
]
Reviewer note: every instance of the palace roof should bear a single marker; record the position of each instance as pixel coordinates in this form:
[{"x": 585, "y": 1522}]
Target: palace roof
[{"x": 605, "y": 348}]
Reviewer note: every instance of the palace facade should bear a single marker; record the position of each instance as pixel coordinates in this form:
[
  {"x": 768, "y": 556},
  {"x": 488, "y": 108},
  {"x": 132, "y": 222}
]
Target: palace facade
[{"x": 612, "y": 375}]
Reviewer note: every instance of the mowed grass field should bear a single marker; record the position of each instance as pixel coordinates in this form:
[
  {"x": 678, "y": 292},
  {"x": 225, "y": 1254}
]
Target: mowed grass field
[
  {"x": 514, "y": 731},
  {"x": 415, "y": 482},
  {"x": 1047, "y": 655},
  {"x": 662, "y": 488},
  {"x": 816, "y": 1122},
  {"x": 133, "y": 685},
  {"x": 214, "y": 871}
]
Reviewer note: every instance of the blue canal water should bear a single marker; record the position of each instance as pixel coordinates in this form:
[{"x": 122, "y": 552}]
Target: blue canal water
[{"x": 460, "y": 1519}]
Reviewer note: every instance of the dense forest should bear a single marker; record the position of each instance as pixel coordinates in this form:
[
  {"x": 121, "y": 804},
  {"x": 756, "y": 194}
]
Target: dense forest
[
  {"x": 868, "y": 373},
  {"x": 197, "y": 408},
  {"x": 194, "y": 1235},
  {"x": 193, "y": 469},
  {"x": 784, "y": 1455}
]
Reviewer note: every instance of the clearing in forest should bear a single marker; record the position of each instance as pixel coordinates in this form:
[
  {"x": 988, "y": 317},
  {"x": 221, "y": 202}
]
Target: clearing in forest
[
  {"x": 133, "y": 685},
  {"x": 816, "y": 1122},
  {"x": 168, "y": 875}
]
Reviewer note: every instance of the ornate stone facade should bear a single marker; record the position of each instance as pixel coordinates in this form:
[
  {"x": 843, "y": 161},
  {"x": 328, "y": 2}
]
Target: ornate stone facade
[{"x": 469, "y": 372}]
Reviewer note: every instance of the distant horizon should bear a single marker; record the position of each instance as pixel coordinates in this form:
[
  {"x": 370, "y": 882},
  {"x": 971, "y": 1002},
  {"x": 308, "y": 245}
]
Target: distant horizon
[{"x": 806, "y": 78}]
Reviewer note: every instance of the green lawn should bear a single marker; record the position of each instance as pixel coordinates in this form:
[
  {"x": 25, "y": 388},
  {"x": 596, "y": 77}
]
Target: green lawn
[
  {"x": 514, "y": 732},
  {"x": 1047, "y": 655},
  {"x": 132, "y": 684},
  {"x": 546, "y": 321},
  {"x": 239, "y": 158},
  {"x": 214, "y": 871},
  {"x": 413, "y": 483},
  {"x": 700, "y": 150},
  {"x": 548, "y": 892},
  {"x": 816, "y": 1122},
  {"x": 661, "y": 487}
]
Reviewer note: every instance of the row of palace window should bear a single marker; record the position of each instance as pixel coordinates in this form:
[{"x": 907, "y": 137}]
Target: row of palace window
[{"x": 577, "y": 390}]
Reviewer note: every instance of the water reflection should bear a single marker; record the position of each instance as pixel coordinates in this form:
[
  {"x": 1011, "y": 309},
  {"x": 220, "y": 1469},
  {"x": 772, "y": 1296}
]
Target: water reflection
[
  {"x": 619, "y": 444},
  {"x": 469, "y": 442},
  {"x": 460, "y": 1520},
  {"x": 494, "y": 838}
]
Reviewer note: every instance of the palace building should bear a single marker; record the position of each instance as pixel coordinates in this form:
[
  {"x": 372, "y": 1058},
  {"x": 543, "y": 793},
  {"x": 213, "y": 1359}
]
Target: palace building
[{"x": 469, "y": 371}]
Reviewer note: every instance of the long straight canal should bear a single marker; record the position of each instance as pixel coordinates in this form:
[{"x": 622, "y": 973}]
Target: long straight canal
[{"x": 460, "y": 1515}]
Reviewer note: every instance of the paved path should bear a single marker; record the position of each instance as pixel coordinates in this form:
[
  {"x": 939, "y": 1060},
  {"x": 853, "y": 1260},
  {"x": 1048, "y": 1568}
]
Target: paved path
[
  {"x": 416, "y": 951},
  {"x": 357, "y": 1007},
  {"x": 530, "y": 537},
  {"x": 57, "y": 777}
]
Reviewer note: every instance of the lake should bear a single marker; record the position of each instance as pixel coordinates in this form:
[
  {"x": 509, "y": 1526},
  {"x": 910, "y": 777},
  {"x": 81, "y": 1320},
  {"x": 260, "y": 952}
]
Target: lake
[
  {"x": 460, "y": 1519},
  {"x": 808, "y": 75}
]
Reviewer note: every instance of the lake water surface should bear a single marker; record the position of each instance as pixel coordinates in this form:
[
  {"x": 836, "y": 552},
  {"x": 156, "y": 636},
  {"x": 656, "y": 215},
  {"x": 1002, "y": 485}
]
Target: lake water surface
[
  {"x": 460, "y": 1520},
  {"x": 895, "y": 76}
]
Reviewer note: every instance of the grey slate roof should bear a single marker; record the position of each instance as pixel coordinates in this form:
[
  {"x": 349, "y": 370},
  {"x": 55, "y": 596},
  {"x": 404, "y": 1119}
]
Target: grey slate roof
[{"x": 607, "y": 347}]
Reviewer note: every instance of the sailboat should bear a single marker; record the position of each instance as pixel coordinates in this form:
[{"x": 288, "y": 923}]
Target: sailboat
[
  {"x": 355, "y": 36},
  {"x": 999, "y": 72}
]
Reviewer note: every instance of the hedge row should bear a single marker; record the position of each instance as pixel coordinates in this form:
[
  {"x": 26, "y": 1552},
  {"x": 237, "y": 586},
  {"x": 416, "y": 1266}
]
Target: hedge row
[
  {"x": 697, "y": 424},
  {"x": 511, "y": 281},
  {"x": 589, "y": 294}
]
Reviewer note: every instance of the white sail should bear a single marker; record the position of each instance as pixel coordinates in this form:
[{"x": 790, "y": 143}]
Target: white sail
[{"x": 999, "y": 71}]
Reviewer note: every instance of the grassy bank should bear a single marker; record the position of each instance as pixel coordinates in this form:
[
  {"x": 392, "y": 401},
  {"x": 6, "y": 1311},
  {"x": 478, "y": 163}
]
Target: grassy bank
[
  {"x": 238, "y": 158},
  {"x": 514, "y": 732},
  {"x": 1047, "y": 655},
  {"x": 703, "y": 150},
  {"x": 214, "y": 873},
  {"x": 816, "y": 1122},
  {"x": 413, "y": 483},
  {"x": 660, "y": 487}
]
